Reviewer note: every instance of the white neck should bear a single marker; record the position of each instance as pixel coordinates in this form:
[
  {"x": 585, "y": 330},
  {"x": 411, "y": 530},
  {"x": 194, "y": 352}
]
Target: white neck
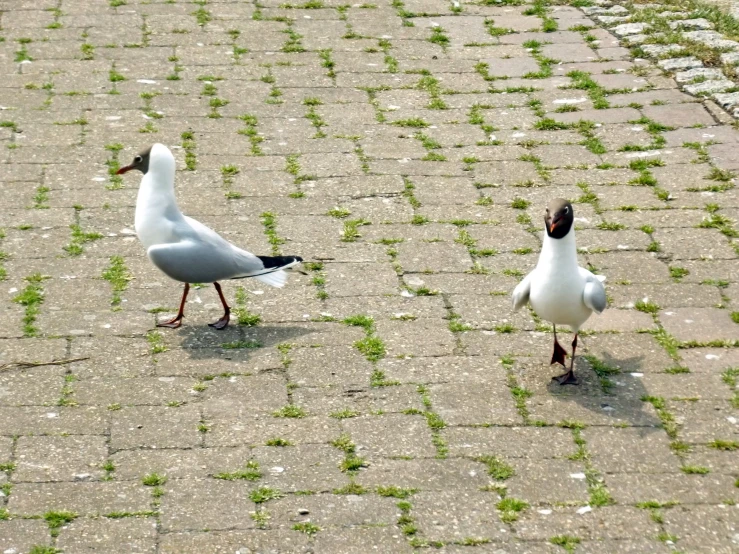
[
  {"x": 559, "y": 253},
  {"x": 156, "y": 204}
]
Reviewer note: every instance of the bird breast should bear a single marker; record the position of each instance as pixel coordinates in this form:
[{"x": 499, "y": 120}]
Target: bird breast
[{"x": 557, "y": 296}]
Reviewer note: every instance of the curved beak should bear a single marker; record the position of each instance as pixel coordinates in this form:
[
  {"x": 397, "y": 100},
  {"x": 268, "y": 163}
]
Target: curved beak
[
  {"x": 554, "y": 224},
  {"x": 124, "y": 169}
]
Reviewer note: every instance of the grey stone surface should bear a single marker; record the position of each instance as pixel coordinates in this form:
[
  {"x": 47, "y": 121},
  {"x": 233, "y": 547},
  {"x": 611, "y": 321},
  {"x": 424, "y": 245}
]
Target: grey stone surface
[
  {"x": 704, "y": 73},
  {"x": 629, "y": 29},
  {"x": 673, "y": 64},
  {"x": 409, "y": 165},
  {"x": 710, "y": 87}
]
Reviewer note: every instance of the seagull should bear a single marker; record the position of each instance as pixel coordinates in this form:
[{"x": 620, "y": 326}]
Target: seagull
[
  {"x": 558, "y": 289},
  {"x": 185, "y": 249}
]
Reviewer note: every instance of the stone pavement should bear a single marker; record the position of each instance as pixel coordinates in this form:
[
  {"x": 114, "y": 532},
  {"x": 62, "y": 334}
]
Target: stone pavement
[{"x": 388, "y": 400}]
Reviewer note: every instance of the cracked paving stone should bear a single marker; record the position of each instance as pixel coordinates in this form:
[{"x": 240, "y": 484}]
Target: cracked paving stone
[
  {"x": 20, "y": 535},
  {"x": 227, "y": 542},
  {"x": 114, "y": 536},
  {"x": 71, "y": 458},
  {"x": 84, "y": 498}
]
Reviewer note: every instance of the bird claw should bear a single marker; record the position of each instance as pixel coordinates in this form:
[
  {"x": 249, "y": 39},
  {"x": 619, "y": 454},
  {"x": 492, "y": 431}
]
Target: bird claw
[
  {"x": 221, "y": 323},
  {"x": 566, "y": 378},
  {"x": 559, "y": 354},
  {"x": 173, "y": 323}
]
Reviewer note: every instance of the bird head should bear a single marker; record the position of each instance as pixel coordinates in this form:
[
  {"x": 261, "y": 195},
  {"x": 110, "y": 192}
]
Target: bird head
[
  {"x": 558, "y": 218},
  {"x": 155, "y": 156}
]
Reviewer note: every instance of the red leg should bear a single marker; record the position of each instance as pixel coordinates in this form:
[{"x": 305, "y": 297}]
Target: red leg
[
  {"x": 223, "y": 322},
  {"x": 559, "y": 354},
  {"x": 177, "y": 320},
  {"x": 569, "y": 377}
]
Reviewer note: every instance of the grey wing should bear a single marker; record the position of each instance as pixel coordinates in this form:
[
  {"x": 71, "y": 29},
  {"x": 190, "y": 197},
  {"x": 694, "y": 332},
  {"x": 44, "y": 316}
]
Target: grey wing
[
  {"x": 521, "y": 293},
  {"x": 594, "y": 294},
  {"x": 194, "y": 262}
]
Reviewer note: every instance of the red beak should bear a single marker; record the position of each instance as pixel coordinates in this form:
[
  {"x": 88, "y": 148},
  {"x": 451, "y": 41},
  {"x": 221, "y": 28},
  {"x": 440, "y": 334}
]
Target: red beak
[
  {"x": 554, "y": 224},
  {"x": 122, "y": 170}
]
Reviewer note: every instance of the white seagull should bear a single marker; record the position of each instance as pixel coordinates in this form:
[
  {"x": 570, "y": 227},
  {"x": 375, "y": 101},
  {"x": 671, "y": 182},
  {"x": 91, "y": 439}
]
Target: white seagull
[
  {"x": 185, "y": 249},
  {"x": 559, "y": 290}
]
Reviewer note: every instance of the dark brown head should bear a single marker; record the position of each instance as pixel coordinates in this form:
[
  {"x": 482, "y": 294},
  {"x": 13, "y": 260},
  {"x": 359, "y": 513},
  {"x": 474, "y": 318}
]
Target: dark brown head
[
  {"x": 140, "y": 162},
  {"x": 558, "y": 218}
]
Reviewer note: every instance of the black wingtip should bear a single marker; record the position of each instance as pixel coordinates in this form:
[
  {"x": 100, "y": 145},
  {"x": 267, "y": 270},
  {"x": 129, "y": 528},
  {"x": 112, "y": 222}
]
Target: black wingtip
[{"x": 279, "y": 261}]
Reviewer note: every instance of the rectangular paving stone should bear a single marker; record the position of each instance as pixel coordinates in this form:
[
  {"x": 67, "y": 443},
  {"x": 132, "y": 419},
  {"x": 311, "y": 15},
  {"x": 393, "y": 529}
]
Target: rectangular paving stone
[
  {"x": 301, "y": 467},
  {"x": 616, "y": 450},
  {"x": 474, "y": 403},
  {"x": 391, "y": 435},
  {"x": 32, "y": 420},
  {"x": 615, "y": 523},
  {"x": 223, "y": 542},
  {"x": 456, "y": 516},
  {"x": 196, "y": 463},
  {"x": 20, "y": 535},
  {"x": 337, "y": 511},
  {"x": 509, "y": 442},
  {"x": 237, "y": 430},
  {"x": 155, "y": 427},
  {"x": 206, "y": 504},
  {"x": 83, "y": 498},
  {"x": 425, "y": 474},
  {"x": 109, "y": 535},
  {"x": 669, "y": 487},
  {"x": 71, "y": 458},
  {"x": 547, "y": 481}
]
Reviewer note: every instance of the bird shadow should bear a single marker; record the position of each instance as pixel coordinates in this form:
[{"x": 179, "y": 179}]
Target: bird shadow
[
  {"x": 202, "y": 350},
  {"x": 610, "y": 391}
]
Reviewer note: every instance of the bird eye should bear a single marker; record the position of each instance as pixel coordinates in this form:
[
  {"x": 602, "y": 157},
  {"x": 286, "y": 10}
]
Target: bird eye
[
  {"x": 567, "y": 209},
  {"x": 137, "y": 159}
]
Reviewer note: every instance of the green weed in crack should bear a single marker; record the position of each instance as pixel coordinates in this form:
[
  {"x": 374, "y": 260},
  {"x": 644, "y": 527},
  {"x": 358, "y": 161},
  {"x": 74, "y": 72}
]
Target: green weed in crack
[
  {"x": 327, "y": 62},
  {"x": 115, "y": 182},
  {"x": 351, "y": 229},
  {"x": 435, "y": 423},
  {"x": 58, "y": 519},
  {"x": 118, "y": 276},
  {"x": 292, "y": 44},
  {"x": 156, "y": 342},
  {"x": 79, "y": 238},
  {"x": 603, "y": 371},
  {"x": 590, "y": 141},
  {"x": 432, "y": 85},
  {"x": 250, "y": 472},
  {"x": 352, "y": 488},
  {"x": 581, "y": 80},
  {"x": 188, "y": 145},
  {"x": 520, "y": 394},
  {"x": 264, "y": 494},
  {"x": 67, "y": 393},
  {"x": 250, "y": 130},
  {"x": 241, "y": 311},
  {"x": 306, "y": 527},
  {"x": 351, "y": 462},
  {"x": 318, "y": 279},
  {"x": 391, "y": 63},
  {"x": 269, "y": 221},
  {"x": 405, "y": 521},
  {"x": 509, "y": 508},
  {"x": 31, "y": 299},
  {"x": 569, "y": 543}
]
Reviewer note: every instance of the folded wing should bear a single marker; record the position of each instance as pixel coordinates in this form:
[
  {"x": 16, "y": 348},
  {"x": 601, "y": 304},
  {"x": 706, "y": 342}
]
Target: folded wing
[{"x": 521, "y": 293}]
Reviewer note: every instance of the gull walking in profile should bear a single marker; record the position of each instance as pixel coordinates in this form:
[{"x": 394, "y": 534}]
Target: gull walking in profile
[
  {"x": 185, "y": 249},
  {"x": 558, "y": 289}
]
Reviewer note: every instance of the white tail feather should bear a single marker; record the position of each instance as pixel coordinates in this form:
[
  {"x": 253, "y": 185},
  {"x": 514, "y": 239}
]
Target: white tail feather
[{"x": 276, "y": 278}]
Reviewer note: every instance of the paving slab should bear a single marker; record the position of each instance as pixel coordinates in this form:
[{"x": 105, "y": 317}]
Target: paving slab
[{"x": 406, "y": 152}]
